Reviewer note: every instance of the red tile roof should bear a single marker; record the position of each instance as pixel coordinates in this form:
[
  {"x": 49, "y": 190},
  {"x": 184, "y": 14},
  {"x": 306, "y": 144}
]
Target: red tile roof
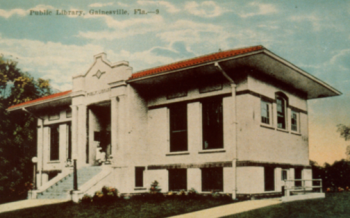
[
  {"x": 195, "y": 61},
  {"x": 60, "y": 94}
]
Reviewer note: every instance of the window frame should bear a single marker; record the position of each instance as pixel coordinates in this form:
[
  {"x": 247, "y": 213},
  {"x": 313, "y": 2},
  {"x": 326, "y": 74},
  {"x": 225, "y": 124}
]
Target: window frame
[
  {"x": 52, "y": 156},
  {"x": 139, "y": 177},
  {"x": 219, "y": 128},
  {"x": 207, "y": 173},
  {"x": 269, "y": 112},
  {"x": 297, "y": 121},
  {"x": 269, "y": 179},
  {"x": 282, "y": 115},
  {"x": 177, "y": 174},
  {"x": 174, "y": 116}
]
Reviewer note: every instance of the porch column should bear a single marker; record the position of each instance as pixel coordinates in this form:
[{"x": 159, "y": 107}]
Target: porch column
[
  {"x": 121, "y": 129},
  {"x": 81, "y": 152},
  {"x": 114, "y": 126},
  {"x": 40, "y": 152},
  {"x": 74, "y": 132}
]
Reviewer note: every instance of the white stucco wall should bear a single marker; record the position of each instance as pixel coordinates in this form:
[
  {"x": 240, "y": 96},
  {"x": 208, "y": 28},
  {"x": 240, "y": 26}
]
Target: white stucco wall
[
  {"x": 258, "y": 143},
  {"x": 250, "y": 180}
]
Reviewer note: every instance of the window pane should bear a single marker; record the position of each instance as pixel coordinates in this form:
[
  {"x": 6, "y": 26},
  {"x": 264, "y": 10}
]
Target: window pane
[
  {"x": 177, "y": 179},
  {"x": 294, "y": 121},
  {"x": 178, "y": 127},
  {"x": 265, "y": 112},
  {"x": 212, "y": 179},
  {"x": 212, "y": 124},
  {"x": 281, "y": 121}
]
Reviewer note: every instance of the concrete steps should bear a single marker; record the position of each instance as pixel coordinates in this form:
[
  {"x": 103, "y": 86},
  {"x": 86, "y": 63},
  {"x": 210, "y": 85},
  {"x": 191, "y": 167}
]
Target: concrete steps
[{"x": 61, "y": 189}]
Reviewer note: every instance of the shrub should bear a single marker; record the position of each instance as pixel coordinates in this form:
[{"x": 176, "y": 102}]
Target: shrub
[
  {"x": 86, "y": 199},
  {"x": 155, "y": 189}
]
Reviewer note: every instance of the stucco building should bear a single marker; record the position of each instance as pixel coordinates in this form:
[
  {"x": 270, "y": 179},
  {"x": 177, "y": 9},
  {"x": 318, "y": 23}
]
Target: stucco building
[{"x": 234, "y": 122}]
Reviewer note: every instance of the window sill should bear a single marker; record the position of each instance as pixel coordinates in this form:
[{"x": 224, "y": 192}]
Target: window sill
[
  {"x": 212, "y": 151},
  {"x": 282, "y": 130},
  {"x": 139, "y": 189},
  {"x": 296, "y": 133},
  {"x": 267, "y": 126},
  {"x": 178, "y": 153},
  {"x": 54, "y": 162}
]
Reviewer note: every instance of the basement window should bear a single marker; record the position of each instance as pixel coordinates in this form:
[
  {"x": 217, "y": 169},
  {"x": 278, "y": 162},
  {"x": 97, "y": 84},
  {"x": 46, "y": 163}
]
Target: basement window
[
  {"x": 269, "y": 177},
  {"x": 213, "y": 179},
  {"x": 177, "y": 179},
  {"x": 139, "y": 176}
]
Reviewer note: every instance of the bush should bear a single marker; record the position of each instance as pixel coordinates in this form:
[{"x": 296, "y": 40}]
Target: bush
[
  {"x": 86, "y": 199},
  {"x": 107, "y": 194}
]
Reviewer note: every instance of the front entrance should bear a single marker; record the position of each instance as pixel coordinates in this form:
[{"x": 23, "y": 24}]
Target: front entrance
[{"x": 99, "y": 128}]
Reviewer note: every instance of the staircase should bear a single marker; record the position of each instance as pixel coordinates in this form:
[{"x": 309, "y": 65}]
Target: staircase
[{"x": 60, "y": 190}]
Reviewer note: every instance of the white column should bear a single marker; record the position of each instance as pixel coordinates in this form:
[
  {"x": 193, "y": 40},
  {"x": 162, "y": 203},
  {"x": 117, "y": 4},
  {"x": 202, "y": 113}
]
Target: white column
[
  {"x": 278, "y": 179},
  {"x": 40, "y": 148},
  {"x": 229, "y": 182},
  {"x": 74, "y": 132},
  {"x": 194, "y": 179},
  {"x": 121, "y": 129},
  {"x": 194, "y": 127},
  {"x": 81, "y": 135},
  {"x": 307, "y": 174},
  {"x": 63, "y": 144},
  {"x": 114, "y": 126}
]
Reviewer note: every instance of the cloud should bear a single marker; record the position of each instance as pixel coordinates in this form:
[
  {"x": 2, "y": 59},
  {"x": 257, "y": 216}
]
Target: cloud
[
  {"x": 313, "y": 19},
  {"x": 170, "y": 7},
  {"x": 129, "y": 27},
  {"x": 204, "y": 9},
  {"x": 7, "y": 14},
  {"x": 38, "y": 58},
  {"x": 262, "y": 9},
  {"x": 100, "y": 5},
  {"x": 122, "y": 4},
  {"x": 23, "y": 12}
]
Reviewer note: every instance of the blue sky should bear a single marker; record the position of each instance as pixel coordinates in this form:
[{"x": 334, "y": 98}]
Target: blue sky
[{"x": 314, "y": 35}]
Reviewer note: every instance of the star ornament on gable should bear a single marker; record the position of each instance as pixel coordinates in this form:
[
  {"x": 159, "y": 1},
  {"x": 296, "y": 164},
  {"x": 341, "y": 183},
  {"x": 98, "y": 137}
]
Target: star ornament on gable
[{"x": 98, "y": 74}]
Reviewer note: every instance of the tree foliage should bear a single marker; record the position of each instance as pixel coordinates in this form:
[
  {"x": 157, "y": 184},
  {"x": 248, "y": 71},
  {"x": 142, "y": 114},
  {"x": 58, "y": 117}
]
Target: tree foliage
[
  {"x": 344, "y": 131},
  {"x": 17, "y": 130}
]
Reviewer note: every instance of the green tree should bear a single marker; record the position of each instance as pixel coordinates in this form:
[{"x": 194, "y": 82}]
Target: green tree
[{"x": 17, "y": 130}]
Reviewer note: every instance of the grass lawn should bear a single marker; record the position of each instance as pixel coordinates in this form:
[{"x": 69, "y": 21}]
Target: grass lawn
[
  {"x": 334, "y": 205},
  {"x": 122, "y": 208}
]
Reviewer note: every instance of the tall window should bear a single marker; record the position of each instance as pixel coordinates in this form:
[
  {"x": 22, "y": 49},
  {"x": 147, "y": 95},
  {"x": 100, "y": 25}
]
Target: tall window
[
  {"x": 281, "y": 112},
  {"x": 294, "y": 121},
  {"x": 269, "y": 173},
  {"x": 212, "y": 123},
  {"x": 212, "y": 179},
  {"x": 177, "y": 179},
  {"x": 54, "y": 142},
  {"x": 265, "y": 112},
  {"x": 178, "y": 127}
]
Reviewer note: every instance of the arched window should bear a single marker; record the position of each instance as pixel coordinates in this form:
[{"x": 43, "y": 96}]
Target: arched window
[{"x": 281, "y": 102}]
